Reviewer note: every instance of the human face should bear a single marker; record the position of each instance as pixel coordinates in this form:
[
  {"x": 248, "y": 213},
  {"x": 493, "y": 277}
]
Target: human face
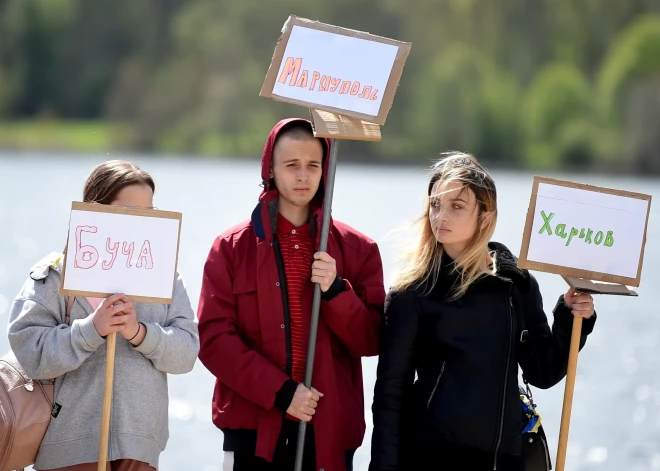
[
  {"x": 297, "y": 169},
  {"x": 135, "y": 196},
  {"x": 453, "y": 216}
]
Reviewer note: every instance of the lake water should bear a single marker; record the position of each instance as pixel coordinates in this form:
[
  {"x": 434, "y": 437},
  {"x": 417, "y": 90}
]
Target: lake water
[{"x": 616, "y": 412}]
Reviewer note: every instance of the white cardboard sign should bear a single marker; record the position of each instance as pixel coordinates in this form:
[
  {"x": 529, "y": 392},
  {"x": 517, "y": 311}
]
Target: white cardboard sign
[
  {"x": 585, "y": 231},
  {"x": 112, "y": 249},
  {"x": 361, "y": 67},
  {"x": 335, "y": 69}
]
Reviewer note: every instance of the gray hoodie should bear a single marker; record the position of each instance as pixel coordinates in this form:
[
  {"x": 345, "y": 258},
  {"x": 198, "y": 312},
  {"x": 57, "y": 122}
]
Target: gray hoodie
[{"x": 75, "y": 355}]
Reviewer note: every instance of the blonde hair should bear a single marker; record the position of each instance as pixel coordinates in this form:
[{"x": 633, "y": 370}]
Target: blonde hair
[{"x": 422, "y": 259}]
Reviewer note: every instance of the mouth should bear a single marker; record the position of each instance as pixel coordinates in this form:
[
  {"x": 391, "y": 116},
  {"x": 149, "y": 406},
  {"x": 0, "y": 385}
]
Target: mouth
[
  {"x": 442, "y": 230},
  {"x": 301, "y": 190}
]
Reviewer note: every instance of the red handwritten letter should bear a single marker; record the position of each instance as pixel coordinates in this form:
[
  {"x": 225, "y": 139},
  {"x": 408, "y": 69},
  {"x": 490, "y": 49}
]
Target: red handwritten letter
[
  {"x": 315, "y": 78},
  {"x": 366, "y": 92},
  {"x": 128, "y": 250},
  {"x": 292, "y": 68},
  {"x": 145, "y": 254},
  {"x": 325, "y": 83},
  {"x": 112, "y": 251},
  {"x": 302, "y": 83},
  {"x": 86, "y": 255}
]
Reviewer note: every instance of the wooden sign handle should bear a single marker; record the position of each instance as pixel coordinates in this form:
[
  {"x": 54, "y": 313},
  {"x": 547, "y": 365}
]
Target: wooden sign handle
[
  {"x": 568, "y": 393},
  {"x": 107, "y": 401}
]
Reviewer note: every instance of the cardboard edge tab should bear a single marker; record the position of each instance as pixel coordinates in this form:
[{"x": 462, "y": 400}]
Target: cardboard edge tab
[
  {"x": 598, "y": 287},
  {"x": 336, "y": 126}
]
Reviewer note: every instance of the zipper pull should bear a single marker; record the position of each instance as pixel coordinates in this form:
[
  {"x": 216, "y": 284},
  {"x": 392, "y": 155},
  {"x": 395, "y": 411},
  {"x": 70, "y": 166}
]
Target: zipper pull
[{"x": 29, "y": 386}]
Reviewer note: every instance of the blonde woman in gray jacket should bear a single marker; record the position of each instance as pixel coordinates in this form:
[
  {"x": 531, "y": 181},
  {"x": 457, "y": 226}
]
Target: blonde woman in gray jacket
[{"x": 153, "y": 340}]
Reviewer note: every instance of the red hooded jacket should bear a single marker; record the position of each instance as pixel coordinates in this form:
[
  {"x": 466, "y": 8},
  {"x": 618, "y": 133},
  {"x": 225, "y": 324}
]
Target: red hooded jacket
[{"x": 242, "y": 326}]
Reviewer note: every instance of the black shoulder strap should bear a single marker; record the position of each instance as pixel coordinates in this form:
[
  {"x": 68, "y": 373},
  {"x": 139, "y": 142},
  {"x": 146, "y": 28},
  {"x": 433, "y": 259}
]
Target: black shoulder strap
[{"x": 520, "y": 318}]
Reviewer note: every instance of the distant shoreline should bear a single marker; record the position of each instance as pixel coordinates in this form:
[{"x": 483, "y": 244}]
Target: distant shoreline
[{"x": 34, "y": 137}]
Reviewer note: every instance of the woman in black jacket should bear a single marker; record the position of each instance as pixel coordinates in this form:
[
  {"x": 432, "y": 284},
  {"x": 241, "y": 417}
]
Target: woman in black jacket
[{"x": 461, "y": 316}]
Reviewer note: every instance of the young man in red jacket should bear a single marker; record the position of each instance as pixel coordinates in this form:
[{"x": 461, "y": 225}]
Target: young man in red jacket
[{"x": 255, "y": 311}]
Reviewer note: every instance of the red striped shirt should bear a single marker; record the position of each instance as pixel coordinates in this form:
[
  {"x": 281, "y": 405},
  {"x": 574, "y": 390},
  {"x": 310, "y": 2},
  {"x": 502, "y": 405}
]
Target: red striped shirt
[{"x": 298, "y": 254}]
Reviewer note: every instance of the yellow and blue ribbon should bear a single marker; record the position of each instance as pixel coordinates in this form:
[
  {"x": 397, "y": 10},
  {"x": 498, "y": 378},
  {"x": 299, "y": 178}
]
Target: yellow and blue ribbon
[{"x": 530, "y": 411}]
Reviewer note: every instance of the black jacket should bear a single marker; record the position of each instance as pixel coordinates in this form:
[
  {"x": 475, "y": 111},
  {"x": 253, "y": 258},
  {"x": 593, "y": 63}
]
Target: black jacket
[{"x": 466, "y": 355}]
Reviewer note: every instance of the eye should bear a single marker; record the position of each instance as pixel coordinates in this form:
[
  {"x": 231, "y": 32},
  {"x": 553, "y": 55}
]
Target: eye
[
  {"x": 435, "y": 203},
  {"x": 291, "y": 165},
  {"x": 457, "y": 206}
]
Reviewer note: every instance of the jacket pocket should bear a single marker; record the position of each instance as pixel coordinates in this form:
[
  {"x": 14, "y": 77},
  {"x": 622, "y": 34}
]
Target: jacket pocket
[
  {"x": 247, "y": 306},
  {"x": 244, "y": 282},
  {"x": 437, "y": 383}
]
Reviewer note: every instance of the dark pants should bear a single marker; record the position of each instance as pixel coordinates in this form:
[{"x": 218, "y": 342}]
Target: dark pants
[
  {"x": 285, "y": 453},
  {"x": 440, "y": 456}
]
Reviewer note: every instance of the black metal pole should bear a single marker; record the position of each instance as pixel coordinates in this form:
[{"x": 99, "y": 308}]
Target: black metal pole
[{"x": 316, "y": 303}]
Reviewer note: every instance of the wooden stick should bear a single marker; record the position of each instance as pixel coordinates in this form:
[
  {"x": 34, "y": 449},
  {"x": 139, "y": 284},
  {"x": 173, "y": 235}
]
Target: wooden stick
[
  {"x": 107, "y": 401},
  {"x": 568, "y": 392}
]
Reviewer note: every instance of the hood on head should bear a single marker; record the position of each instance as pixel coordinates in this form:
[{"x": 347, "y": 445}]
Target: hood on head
[{"x": 267, "y": 158}]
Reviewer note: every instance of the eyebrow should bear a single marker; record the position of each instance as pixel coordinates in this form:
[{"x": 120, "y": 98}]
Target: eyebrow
[
  {"x": 296, "y": 160},
  {"x": 460, "y": 199}
]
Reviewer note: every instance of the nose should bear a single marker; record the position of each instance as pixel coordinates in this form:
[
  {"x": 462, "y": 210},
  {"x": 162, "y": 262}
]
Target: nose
[
  {"x": 440, "y": 215},
  {"x": 302, "y": 174}
]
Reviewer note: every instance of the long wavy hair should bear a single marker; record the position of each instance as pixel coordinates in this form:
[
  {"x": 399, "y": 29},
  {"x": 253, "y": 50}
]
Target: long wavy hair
[{"x": 421, "y": 260}]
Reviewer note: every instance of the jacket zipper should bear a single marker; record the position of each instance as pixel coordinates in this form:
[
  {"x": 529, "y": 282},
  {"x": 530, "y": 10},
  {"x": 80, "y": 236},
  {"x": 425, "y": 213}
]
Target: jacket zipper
[
  {"x": 506, "y": 380},
  {"x": 437, "y": 382},
  {"x": 285, "y": 303}
]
